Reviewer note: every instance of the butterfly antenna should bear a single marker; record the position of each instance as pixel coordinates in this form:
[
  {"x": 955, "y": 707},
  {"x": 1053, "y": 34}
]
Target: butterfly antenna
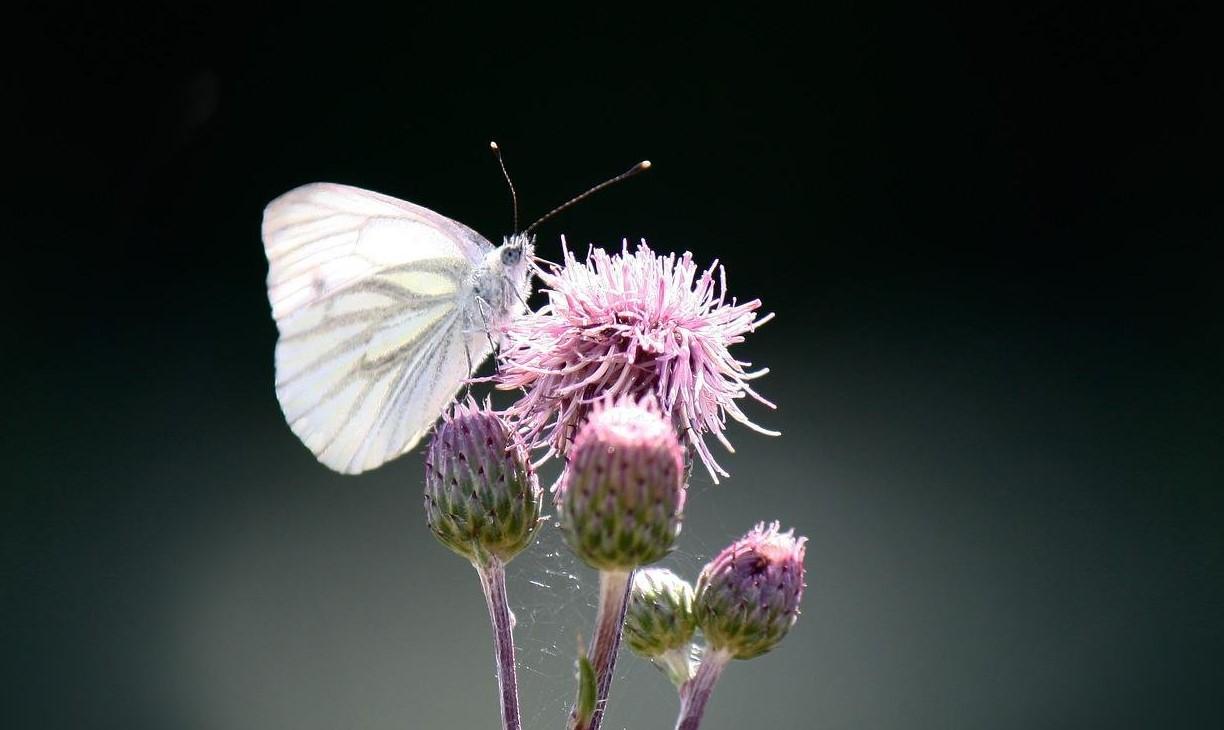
[
  {"x": 513, "y": 195},
  {"x": 639, "y": 167}
]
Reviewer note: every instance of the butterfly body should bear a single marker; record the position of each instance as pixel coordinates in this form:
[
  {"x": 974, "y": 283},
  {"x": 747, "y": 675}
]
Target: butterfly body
[
  {"x": 384, "y": 308},
  {"x": 501, "y": 283}
]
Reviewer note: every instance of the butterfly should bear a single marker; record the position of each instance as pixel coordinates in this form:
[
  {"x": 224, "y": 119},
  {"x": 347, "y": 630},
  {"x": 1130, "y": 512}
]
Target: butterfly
[{"x": 384, "y": 310}]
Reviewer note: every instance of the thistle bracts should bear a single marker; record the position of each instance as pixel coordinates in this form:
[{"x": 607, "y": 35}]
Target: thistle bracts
[
  {"x": 621, "y": 495},
  {"x": 748, "y": 595},
  {"x": 482, "y": 498}
]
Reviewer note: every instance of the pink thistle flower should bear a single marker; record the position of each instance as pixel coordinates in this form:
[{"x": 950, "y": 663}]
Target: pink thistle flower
[{"x": 631, "y": 324}]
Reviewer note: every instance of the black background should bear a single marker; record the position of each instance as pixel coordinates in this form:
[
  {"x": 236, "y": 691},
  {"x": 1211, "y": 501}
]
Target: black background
[{"x": 988, "y": 236}]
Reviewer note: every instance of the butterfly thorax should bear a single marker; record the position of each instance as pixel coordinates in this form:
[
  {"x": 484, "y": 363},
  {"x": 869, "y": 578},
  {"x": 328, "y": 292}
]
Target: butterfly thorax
[{"x": 502, "y": 281}]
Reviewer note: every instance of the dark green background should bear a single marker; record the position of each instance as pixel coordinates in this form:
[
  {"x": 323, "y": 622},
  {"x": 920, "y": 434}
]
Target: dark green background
[{"x": 997, "y": 355}]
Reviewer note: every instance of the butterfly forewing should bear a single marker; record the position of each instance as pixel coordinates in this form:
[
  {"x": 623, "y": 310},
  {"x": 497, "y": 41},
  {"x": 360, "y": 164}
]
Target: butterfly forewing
[
  {"x": 369, "y": 294},
  {"x": 320, "y": 238}
]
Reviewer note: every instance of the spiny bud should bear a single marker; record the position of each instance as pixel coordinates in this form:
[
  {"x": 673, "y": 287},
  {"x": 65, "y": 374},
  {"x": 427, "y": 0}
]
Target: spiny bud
[
  {"x": 482, "y": 498},
  {"x": 748, "y": 595},
  {"x": 621, "y": 495}
]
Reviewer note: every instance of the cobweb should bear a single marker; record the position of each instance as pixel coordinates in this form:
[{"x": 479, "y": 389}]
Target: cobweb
[{"x": 554, "y": 596}]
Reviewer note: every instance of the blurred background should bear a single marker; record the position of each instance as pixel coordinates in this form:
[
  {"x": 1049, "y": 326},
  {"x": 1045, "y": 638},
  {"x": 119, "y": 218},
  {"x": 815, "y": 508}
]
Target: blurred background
[{"x": 986, "y": 234}]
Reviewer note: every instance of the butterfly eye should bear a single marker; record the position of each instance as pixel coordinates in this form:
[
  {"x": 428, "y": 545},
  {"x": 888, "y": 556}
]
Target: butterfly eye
[{"x": 511, "y": 255}]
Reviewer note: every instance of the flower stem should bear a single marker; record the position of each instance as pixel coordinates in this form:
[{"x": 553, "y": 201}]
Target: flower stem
[
  {"x": 493, "y": 581},
  {"x": 609, "y": 621},
  {"x": 676, "y": 665},
  {"x": 695, "y": 692}
]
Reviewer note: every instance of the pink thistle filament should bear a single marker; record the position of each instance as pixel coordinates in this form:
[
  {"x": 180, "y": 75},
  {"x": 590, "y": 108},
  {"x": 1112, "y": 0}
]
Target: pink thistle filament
[{"x": 632, "y": 324}]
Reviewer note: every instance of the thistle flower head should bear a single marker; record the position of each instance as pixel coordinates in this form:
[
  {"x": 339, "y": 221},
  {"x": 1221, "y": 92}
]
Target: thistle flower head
[
  {"x": 748, "y": 595},
  {"x": 482, "y": 497},
  {"x": 631, "y": 324},
  {"x": 659, "y": 617},
  {"x": 621, "y": 494}
]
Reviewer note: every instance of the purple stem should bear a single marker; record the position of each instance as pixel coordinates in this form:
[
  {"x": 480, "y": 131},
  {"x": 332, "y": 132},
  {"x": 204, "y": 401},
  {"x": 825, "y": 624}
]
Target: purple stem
[
  {"x": 696, "y": 692},
  {"x": 493, "y": 582},
  {"x": 609, "y": 621},
  {"x": 613, "y": 602}
]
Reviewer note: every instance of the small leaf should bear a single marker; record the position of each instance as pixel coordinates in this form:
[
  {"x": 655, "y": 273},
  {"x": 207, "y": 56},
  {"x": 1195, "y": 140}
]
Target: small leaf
[{"x": 586, "y": 691}]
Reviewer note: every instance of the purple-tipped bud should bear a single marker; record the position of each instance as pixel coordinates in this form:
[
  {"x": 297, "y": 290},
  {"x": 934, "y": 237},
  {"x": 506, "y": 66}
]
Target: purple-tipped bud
[
  {"x": 748, "y": 595},
  {"x": 621, "y": 495},
  {"x": 482, "y": 498}
]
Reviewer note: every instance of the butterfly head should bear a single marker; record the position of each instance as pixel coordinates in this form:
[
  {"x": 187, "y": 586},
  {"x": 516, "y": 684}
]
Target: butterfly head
[
  {"x": 517, "y": 247},
  {"x": 504, "y": 280},
  {"x": 515, "y": 255}
]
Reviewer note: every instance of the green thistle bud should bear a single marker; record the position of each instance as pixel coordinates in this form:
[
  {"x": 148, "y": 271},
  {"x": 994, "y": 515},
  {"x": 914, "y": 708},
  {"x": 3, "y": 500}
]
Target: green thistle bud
[
  {"x": 748, "y": 595},
  {"x": 660, "y": 614},
  {"x": 621, "y": 495},
  {"x": 659, "y": 622},
  {"x": 482, "y": 498}
]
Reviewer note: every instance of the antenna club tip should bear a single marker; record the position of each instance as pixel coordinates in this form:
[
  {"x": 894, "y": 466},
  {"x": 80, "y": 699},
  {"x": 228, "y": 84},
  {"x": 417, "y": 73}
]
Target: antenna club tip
[
  {"x": 493, "y": 146},
  {"x": 644, "y": 164}
]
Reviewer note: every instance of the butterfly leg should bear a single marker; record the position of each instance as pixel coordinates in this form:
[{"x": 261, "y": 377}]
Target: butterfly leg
[
  {"x": 521, "y": 299},
  {"x": 467, "y": 382},
  {"x": 485, "y": 308}
]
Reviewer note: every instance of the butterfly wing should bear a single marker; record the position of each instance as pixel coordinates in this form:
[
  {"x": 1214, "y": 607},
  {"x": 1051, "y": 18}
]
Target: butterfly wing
[{"x": 370, "y": 296}]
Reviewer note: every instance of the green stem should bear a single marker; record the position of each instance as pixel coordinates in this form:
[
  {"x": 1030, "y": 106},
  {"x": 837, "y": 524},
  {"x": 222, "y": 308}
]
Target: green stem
[{"x": 676, "y": 665}]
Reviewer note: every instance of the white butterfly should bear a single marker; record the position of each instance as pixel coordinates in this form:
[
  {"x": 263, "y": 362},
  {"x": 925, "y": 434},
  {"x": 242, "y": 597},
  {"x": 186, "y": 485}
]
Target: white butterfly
[{"x": 384, "y": 308}]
